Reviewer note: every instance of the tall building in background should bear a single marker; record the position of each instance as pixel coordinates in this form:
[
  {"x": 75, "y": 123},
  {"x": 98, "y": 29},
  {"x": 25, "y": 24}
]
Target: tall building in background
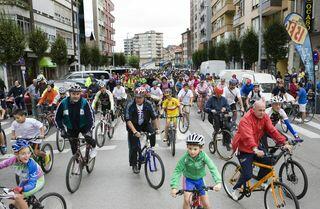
[
  {"x": 195, "y": 24},
  {"x": 54, "y": 17},
  {"x": 147, "y": 46},
  {"x": 186, "y": 48},
  {"x": 103, "y": 25},
  {"x": 205, "y": 22}
]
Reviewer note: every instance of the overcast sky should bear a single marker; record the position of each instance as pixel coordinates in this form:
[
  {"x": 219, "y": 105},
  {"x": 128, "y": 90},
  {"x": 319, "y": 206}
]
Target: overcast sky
[{"x": 171, "y": 17}]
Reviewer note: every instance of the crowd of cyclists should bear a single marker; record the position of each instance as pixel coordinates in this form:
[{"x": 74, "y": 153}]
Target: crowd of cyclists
[{"x": 146, "y": 97}]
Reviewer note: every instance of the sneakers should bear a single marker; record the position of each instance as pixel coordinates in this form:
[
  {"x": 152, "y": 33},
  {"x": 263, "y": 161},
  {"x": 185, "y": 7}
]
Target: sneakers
[
  {"x": 164, "y": 139},
  {"x": 135, "y": 169},
  {"x": 93, "y": 152}
]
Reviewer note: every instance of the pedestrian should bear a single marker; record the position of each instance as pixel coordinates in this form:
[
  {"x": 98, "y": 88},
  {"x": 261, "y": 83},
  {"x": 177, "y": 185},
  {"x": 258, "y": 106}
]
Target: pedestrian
[
  {"x": 17, "y": 91},
  {"x": 33, "y": 92}
]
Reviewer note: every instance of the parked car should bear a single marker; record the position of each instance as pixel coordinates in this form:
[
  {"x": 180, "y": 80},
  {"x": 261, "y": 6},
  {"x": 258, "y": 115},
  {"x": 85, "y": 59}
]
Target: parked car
[{"x": 81, "y": 76}]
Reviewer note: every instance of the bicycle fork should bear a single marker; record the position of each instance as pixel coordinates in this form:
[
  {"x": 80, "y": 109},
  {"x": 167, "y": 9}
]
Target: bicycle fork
[{"x": 152, "y": 161}]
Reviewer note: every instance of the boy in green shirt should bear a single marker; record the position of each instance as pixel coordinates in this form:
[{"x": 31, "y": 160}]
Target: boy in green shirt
[{"x": 192, "y": 166}]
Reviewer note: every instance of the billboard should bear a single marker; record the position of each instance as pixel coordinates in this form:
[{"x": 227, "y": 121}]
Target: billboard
[
  {"x": 88, "y": 18},
  {"x": 299, "y": 34}
]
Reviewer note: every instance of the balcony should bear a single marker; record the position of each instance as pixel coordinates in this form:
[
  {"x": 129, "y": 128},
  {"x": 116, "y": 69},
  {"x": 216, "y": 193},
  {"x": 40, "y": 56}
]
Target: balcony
[
  {"x": 270, "y": 7},
  {"x": 222, "y": 30},
  {"x": 19, "y": 3},
  {"x": 228, "y": 8},
  {"x": 237, "y": 20}
]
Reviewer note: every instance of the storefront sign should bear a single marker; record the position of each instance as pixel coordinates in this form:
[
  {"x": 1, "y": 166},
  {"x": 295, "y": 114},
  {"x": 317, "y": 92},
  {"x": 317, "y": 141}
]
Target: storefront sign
[{"x": 308, "y": 14}]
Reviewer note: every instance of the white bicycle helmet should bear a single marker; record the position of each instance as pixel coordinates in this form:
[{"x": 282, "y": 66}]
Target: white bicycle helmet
[
  {"x": 195, "y": 138},
  {"x": 75, "y": 88},
  {"x": 62, "y": 90},
  {"x": 276, "y": 99}
]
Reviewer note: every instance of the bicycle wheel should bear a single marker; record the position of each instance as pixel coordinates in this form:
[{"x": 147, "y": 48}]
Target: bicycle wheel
[
  {"x": 223, "y": 146},
  {"x": 230, "y": 174},
  {"x": 283, "y": 127},
  {"x": 183, "y": 124},
  {"x": 293, "y": 174},
  {"x": 110, "y": 130},
  {"x": 212, "y": 147},
  {"x": 91, "y": 162},
  {"x": 154, "y": 170},
  {"x": 60, "y": 141},
  {"x": 309, "y": 112},
  {"x": 280, "y": 197},
  {"x": 52, "y": 200},
  {"x": 47, "y": 166},
  {"x": 173, "y": 143},
  {"x": 74, "y": 174},
  {"x": 100, "y": 134},
  {"x": 3, "y": 152},
  {"x": 46, "y": 124}
]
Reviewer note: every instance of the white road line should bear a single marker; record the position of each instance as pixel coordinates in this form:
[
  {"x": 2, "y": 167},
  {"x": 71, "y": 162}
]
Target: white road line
[
  {"x": 305, "y": 132},
  {"x": 313, "y": 124},
  {"x": 110, "y": 147},
  {"x": 64, "y": 151}
]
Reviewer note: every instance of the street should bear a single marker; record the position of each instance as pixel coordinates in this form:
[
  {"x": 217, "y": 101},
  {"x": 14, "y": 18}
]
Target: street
[{"x": 112, "y": 183}]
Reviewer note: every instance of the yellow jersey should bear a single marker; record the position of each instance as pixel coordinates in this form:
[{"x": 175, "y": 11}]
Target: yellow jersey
[{"x": 171, "y": 106}]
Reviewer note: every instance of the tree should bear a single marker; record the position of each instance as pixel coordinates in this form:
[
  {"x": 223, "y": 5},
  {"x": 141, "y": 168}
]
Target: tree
[
  {"x": 104, "y": 60},
  {"x": 134, "y": 61},
  {"x": 249, "y": 47},
  {"x": 12, "y": 41},
  {"x": 38, "y": 43},
  {"x": 233, "y": 50},
  {"x": 59, "y": 51},
  {"x": 85, "y": 54},
  {"x": 212, "y": 52},
  {"x": 122, "y": 59},
  {"x": 276, "y": 48},
  {"x": 95, "y": 56},
  {"x": 220, "y": 52}
]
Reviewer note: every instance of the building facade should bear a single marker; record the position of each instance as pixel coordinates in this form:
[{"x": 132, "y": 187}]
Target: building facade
[
  {"x": 54, "y": 17},
  {"x": 186, "y": 48},
  {"x": 195, "y": 24},
  {"x": 147, "y": 46}
]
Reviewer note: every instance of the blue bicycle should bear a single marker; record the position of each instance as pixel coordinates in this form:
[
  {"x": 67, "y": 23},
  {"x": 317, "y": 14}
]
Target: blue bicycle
[{"x": 153, "y": 165}]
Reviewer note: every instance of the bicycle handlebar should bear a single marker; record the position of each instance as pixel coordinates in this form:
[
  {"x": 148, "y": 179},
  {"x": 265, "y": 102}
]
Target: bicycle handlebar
[{"x": 181, "y": 191}]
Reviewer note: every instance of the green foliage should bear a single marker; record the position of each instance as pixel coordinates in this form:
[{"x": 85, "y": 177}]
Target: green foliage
[
  {"x": 95, "y": 56},
  {"x": 38, "y": 42},
  {"x": 220, "y": 52},
  {"x": 198, "y": 57},
  {"x": 59, "y": 51},
  {"x": 119, "y": 59},
  {"x": 275, "y": 40},
  {"x": 134, "y": 61},
  {"x": 104, "y": 60},
  {"x": 12, "y": 41},
  {"x": 233, "y": 49},
  {"x": 85, "y": 55},
  {"x": 212, "y": 52},
  {"x": 249, "y": 47}
]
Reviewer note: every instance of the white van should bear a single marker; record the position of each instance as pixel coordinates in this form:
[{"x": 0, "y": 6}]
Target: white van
[
  {"x": 212, "y": 66},
  {"x": 81, "y": 76},
  {"x": 241, "y": 74}
]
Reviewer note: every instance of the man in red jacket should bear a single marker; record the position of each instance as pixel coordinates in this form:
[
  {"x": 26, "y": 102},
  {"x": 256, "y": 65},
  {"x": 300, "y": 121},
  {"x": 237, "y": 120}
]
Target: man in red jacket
[{"x": 247, "y": 139}]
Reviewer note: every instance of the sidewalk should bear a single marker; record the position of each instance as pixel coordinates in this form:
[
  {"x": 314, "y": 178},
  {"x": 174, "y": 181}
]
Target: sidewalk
[{"x": 317, "y": 117}]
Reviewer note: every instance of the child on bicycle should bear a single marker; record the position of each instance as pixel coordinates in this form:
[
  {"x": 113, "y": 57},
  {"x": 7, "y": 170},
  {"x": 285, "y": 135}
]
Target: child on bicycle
[
  {"x": 29, "y": 172},
  {"x": 192, "y": 166},
  {"x": 171, "y": 107},
  {"x": 28, "y": 128}
]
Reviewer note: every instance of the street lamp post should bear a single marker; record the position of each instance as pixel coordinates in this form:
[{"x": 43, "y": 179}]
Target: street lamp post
[{"x": 260, "y": 35}]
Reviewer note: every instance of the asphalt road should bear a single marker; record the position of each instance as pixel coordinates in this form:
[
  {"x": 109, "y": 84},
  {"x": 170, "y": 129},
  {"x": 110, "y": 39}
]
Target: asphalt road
[{"x": 113, "y": 185}]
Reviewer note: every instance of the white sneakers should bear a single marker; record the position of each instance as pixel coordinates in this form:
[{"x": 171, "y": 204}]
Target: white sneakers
[{"x": 93, "y": 152}]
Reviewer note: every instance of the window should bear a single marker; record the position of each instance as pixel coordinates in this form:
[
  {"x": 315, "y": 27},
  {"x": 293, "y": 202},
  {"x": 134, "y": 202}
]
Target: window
[{"x": 255, "y": 24}]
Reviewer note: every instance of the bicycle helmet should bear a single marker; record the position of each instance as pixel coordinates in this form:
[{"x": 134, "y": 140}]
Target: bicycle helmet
[
  {"x": 248, "y": 81},
  {"x": 154, "y": 83},
  {"x": 62, "y": 90},
  {"x": 195, "y": 138},
  {"x": 256, "y": 84},
  {"x": 276, "y": 99},
  {"x": 140, "y": 92},
  {"x": 51, "y": 83},
  {"x": 167, "y": 92},
  {"x": 101, "y": 84},
  {"x": 20, "y": 144},
  {"x": 118, "y": 82},
  {"x": 41, "y": 78},
  {"x": 143, "y": 80},
  {"x": 75, "y": 88},
  {"x": 218, "y": 90},
  {"x": 233, "y": 81}
]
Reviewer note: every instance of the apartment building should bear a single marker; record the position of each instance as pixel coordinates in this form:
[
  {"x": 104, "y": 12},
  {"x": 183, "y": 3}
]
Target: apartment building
[
  {"x": 54, "y": 17},
  {"x": 195, "y": 24},
  {"x": 186, "y": 47},
  {"x": 147, "y": 46}
]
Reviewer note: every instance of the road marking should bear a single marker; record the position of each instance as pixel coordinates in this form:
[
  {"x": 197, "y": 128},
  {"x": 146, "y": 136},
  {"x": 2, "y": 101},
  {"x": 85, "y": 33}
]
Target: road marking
[
  {"x": 305, "y": 132},
  {"x": 110, "y": 147},
  {"x": 313, "y": 124},
  {"x": 64, "y": 151}
]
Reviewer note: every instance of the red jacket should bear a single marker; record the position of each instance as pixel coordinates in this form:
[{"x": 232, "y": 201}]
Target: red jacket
[{"x": 250, "y": 131}]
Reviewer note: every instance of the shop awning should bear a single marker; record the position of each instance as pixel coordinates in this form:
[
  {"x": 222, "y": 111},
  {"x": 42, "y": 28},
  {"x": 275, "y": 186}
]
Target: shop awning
[{"x": 46, "y": 62}]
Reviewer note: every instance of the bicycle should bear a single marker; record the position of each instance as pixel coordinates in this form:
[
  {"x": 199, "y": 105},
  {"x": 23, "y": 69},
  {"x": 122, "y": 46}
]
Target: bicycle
[
  {"x": 277, "y": 194},
  {"x": 103, "y": 128},
  {"x": 291, "y": 172},
  {"x": 203, "y": 97},
  {"x": 184, "y": 121},
  {"x": 172, "y": 134},
  {"x": 152, "y": 162},
  {"x": 46, "y": 148},
  {"x": 4, "y": 137},
  {"x": 294, "y": 113},
  {"x": 48, "y": 200},
  {"x": 119, "y": 112},
  {"x": 76, "y": 164},
  {"x": 195, "y": 201},
  {"x": 220, "y": 140},
  {"x": 47, "y": 118}
]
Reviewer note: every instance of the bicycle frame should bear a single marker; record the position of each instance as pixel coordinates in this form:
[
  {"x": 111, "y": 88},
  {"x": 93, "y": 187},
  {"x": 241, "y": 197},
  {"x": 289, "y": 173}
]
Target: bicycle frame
[
  {"x": 146, "y": 153},
  {"x": 81, "y": 143}
]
